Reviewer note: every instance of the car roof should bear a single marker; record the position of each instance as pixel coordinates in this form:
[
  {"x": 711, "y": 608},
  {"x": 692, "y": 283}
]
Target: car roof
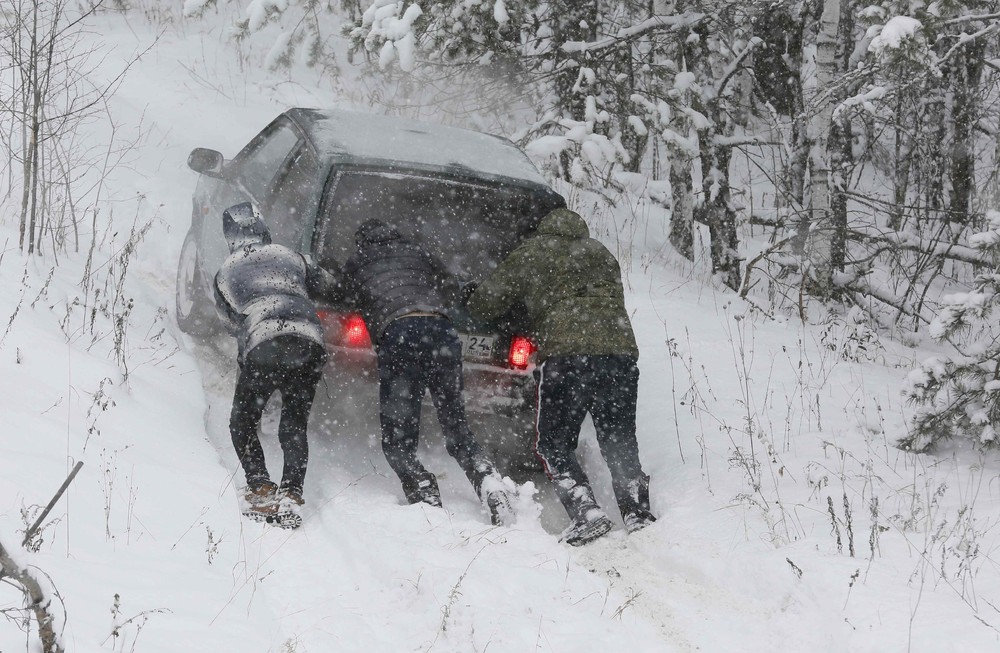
[{"x": 389, "y": 141}]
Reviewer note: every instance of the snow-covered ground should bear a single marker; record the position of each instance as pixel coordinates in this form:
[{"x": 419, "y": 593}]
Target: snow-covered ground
[{"x": 788, "y": 521}]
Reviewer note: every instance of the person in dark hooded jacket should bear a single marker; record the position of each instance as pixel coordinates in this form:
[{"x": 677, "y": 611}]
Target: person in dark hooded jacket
[
  {"x": 403, "y": 293},
  {"x": 264, "y": 294},
  {"x": 570, "y": 285}
]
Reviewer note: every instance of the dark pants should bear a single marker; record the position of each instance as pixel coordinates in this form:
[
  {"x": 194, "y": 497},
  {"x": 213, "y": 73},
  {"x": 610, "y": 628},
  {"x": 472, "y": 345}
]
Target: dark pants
[
  {"x": 291, "y": 366},
  {"x": 417, "y": 354},
  {"x": 605, "y": 386}
]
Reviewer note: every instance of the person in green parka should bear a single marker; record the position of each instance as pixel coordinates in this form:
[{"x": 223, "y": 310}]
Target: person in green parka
[{"x": 571, "y": 288}]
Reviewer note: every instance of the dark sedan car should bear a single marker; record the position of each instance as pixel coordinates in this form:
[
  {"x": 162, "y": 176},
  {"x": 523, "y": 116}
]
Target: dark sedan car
[{"x": 317, "y": 175}]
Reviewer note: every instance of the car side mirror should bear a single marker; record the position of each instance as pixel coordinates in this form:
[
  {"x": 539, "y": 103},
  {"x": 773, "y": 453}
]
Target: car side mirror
[{"x": 207, "y": 162}]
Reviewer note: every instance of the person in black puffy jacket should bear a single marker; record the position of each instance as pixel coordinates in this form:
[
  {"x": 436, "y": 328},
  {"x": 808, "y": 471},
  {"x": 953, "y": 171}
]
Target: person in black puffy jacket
[
  {"x": 264, "y": 294},
  {"x": 403, "y": 293}
]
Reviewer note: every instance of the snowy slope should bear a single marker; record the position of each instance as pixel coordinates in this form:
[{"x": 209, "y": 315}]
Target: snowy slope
[{"x": 771, "y": 460}]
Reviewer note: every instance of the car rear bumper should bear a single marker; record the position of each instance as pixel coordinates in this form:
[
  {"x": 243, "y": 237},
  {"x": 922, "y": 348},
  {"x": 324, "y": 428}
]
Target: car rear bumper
[
  {"x": 505, "y": 392},
  {"x": 488, "y": 389}
]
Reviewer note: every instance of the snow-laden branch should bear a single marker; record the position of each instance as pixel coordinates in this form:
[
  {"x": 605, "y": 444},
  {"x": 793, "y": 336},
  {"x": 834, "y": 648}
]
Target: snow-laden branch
[
  {"x": 971, "y": 19},
  {"x": 736, "y": 63},
  {"x": 915, "y": 243},
  {"x": 884, "y": 294},
  {"x": 651, "y": 24},
  {"x": 966, "y": 38},
  {"x": 845, "y": 81},
  {"x": 864, "y": 100},
  {"x": 738, "y": 141}
]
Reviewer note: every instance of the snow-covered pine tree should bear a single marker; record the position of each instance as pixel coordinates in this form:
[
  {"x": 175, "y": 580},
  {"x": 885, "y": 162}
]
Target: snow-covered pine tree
[
  {"x": 301, "y": 29},
  {"x": 959, "y": 395}
]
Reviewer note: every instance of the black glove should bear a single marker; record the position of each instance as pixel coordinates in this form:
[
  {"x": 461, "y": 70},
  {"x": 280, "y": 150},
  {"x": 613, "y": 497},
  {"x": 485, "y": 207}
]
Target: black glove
[{"x": 465, "y": 290}]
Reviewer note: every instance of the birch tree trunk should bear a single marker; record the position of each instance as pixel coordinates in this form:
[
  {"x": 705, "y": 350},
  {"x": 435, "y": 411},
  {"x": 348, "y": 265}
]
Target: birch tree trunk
[
  {"x": 681, "y": 213},
  {"x": 681, "y": 160},
  {"x": 822, "y": 230},
  {"x": 902, "y": 162},
  {"x": 28, "y": 69},
  {"x": 800, "y": 143}
]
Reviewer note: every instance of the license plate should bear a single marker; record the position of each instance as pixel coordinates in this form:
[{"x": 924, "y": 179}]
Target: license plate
[{"x": 477, "y": 347}]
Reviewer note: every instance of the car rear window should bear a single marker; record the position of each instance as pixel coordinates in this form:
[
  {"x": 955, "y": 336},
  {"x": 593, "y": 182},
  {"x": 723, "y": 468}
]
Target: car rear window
[{"x": 470, "y": 226}]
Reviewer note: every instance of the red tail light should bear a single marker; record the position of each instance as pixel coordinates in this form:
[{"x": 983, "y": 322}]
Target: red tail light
[
  {"x": 345, "y": 330},
  {"x": 521, "y": 349},
  {"x": 356, "y": 332}
]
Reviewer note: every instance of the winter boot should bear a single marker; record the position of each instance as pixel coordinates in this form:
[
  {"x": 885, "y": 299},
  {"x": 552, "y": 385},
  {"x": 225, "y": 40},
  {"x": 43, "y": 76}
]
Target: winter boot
[
  {"x": 589, "y": 521},
  {"x": 589, "y": 526},
  {"x": 288, "y": 511},
  {"x": 422, "y": 488},
  {"x": 636, "y": 521},
  {"x": 633, "y": 501},
  {"x": 496, "y": 497},
  {"x": 260, "y": 500},
  {"x": 500, "y": 507}
]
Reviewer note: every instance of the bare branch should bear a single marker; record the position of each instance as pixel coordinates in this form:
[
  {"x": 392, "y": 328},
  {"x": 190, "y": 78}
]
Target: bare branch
[{"x": 52, "y": 502}]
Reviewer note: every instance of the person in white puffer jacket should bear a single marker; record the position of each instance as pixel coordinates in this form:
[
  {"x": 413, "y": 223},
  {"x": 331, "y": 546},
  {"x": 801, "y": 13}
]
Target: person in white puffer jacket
[{"x": 264, "y": 292}]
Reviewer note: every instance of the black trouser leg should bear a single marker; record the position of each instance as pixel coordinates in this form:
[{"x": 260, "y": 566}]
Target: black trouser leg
[
  {"x": 561, "y": 409},
  {"x": 401, "y": 387},
  {"x": 613, "y": 409},
  {"x": 445, "y": 384},
  {"x": 253, "y": 388},
  {"x": 265, "y": 371},
  {"x": 298, "y": 389}
]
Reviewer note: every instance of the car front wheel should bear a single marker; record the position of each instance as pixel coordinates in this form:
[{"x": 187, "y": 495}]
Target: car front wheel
[{"x": 195, "y": 311}]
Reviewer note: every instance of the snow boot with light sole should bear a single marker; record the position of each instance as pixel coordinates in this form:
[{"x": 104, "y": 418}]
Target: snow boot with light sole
[
  {"x": 260, "y": 501},
  {"x": 592, "y": 524},
  {"x": 287, "y": 513},
  {"x": 500, "y": 507}
]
